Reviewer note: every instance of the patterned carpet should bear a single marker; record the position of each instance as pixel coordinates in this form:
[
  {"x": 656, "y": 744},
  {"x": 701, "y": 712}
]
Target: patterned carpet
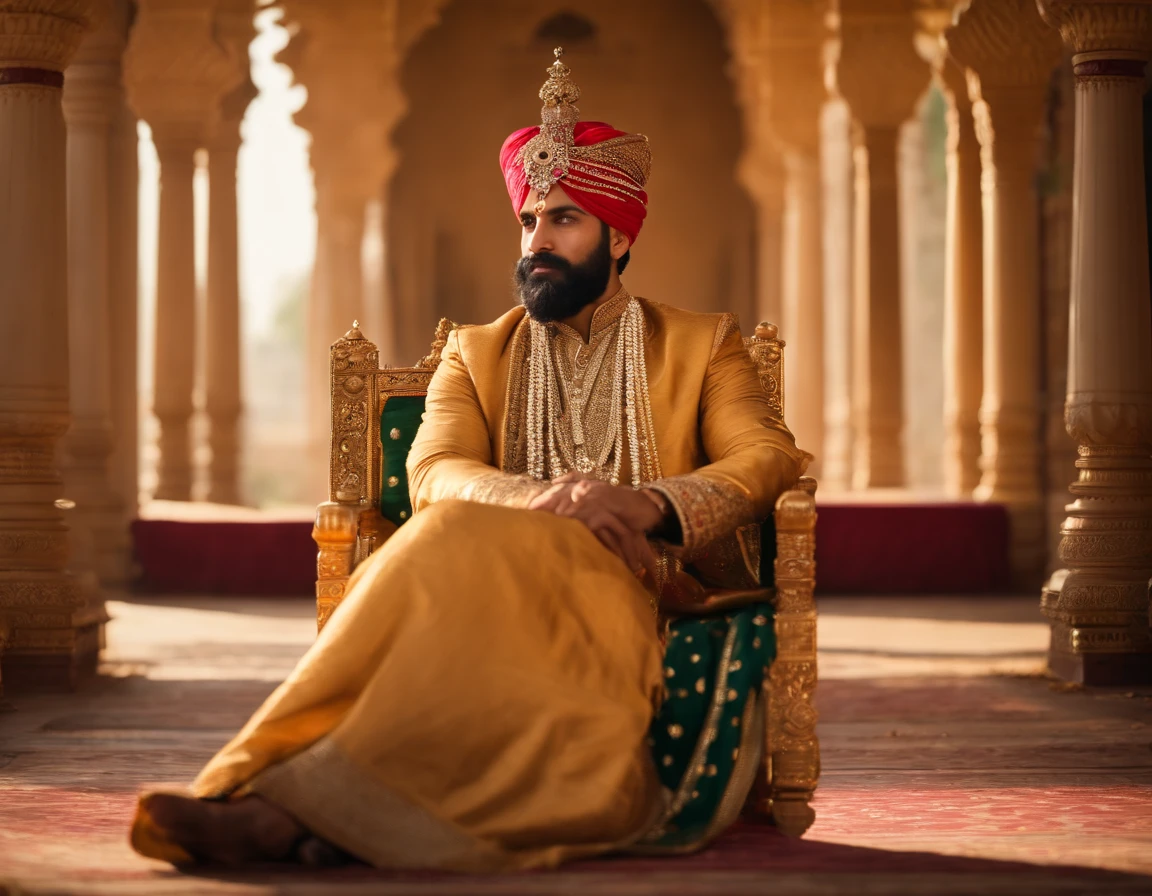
[{"x": 947, "y": 783}]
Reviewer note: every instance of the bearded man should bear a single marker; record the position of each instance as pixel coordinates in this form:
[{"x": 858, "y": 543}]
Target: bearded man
[{"x": 484, "y": 697}]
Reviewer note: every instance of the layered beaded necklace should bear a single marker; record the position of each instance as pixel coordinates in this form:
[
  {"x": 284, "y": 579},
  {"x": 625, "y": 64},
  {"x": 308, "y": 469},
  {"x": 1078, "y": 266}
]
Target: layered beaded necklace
[{"x": 559, "y": 437}]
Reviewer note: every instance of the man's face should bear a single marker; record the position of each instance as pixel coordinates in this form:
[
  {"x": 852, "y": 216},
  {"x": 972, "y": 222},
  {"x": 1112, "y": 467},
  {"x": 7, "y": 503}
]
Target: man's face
[{"x": 566, "y": 257}]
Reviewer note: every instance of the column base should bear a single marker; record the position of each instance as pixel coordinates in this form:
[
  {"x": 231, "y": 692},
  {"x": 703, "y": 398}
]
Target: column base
[
  {"x": 56, "y": 631},
  {"x": 62, "y": 670},
  {"x": 1100, "y": 629},
  {"x": 1102, "y": 669}
]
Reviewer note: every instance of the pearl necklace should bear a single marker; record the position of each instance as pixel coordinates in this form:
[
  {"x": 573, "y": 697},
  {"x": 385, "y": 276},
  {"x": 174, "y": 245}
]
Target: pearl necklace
[{"x": 553, "y": 447}]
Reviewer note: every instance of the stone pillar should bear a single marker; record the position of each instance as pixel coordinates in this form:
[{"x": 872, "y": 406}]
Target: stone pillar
[
  {"x": 123, "y": 297},
  {"x": 792, "y": 63},
  {"x": 836, "y": 167},
  {"x": 92, "y": 97},
  {"x": 881, "y": 77},
  {"x": 351, "y": 160},
  {"x": 963, "y": 288},
  {"x": 222, "y": 339},
  {"x": 760, "y": 169},
  {"x": 1060, "y": 449},
  {"x": 964, "y": 259},
  {"x": 53, "y": 632},
  {"x": 1099, "y": 606},
  {"x": 762, "y": 176},
  {"x": 176, "y": 73},
  {"x": 1013, "y": 53}
]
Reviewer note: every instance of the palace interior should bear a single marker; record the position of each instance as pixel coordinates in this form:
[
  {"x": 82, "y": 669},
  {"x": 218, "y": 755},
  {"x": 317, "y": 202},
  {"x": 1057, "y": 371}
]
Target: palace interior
[{"x": 940, "y": 206}]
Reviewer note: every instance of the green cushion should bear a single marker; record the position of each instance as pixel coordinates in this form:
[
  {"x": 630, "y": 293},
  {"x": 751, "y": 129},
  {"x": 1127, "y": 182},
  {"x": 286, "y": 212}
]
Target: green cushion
[
  {"x": 714, "y": 667},
  {"x": 399, "y": 419}
]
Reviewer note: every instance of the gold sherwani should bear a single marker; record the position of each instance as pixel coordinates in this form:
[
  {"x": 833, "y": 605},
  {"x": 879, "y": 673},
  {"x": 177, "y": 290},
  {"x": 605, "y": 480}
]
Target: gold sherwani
[
  {"x": 482, "y": 697},
  {"x": 725, "y": 458}
]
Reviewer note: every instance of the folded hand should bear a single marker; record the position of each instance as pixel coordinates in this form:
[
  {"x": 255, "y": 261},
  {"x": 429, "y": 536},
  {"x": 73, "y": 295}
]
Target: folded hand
[{"x": 619, "y": 516}]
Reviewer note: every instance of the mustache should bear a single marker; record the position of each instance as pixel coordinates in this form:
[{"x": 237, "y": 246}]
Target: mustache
[{"x": 524, "y": 265}]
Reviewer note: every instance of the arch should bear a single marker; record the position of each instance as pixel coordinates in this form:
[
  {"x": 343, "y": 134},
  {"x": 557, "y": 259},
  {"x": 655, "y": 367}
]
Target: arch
[{"x": 655, "y": 66}]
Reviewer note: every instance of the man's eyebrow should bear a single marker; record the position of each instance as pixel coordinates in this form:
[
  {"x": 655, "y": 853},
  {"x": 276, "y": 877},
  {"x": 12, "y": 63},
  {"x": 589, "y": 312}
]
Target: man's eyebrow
[
  {"x": 566, "y": 210},
  {"x": 554, "y": 212}
]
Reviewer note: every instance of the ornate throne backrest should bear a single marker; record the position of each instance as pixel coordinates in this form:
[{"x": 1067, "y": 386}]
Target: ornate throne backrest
[{"x": 369, "y": 401}]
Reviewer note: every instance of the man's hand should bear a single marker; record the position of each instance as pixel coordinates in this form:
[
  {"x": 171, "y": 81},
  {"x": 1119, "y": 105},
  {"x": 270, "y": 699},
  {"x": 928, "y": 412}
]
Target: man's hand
[{"x": 619, "y": 516}]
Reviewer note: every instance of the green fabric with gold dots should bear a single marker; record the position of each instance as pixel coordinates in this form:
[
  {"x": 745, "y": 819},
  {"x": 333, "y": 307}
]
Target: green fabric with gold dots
[
  {"x": 714, "y": 667},
  {"x": 399, "y": 420}
]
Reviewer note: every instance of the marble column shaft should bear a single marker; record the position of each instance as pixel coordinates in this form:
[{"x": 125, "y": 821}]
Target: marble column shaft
[
  {"x": 223, "y": 396},
  {"x": 880, "y": 75},
  {"x": 123, "y": 296},
  {"x": 803, "y": 294},
  {"x": 176, "y": 71},
  {"x": 964, "y": 294},
  {"x": 1099, "y": 606},
  {"x": 53, "y": 633},
  {"x": 763, "y": 178},
  {"x": 92, "y": 96},
  {"x": 174, "y": 362},
  {"x": 1012, "y": 53},
  {"x": 837, "y": 217},
  {"x": 877, "y": 365},
  {"x": 222, "y": 391}
]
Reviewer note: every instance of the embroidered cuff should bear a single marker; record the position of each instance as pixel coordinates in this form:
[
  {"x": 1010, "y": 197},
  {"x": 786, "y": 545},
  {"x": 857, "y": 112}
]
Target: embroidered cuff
[
  {"x": 707, "y": 509},
  {"x": 506, "y": 489}
]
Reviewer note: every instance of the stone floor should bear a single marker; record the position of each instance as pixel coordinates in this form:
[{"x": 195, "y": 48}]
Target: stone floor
[{"x": 951, "y": 764}]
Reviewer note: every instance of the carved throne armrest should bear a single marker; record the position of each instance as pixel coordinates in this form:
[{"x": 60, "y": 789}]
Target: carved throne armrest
[
  {"x": 336, "y": 533},
  {"x": 792, "y": 747}
]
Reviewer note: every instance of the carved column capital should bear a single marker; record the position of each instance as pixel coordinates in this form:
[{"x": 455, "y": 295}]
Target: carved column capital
[
  {"x": 878, "y": 70},
  {"x": 793, "y": 64},
  {"x": 44, "y": 34},
  {"x": 176, "y": 69},
  {"x": 1114, "y": 29},
  {"x": 235, "y": 27},
  {"x": 1005, "y": 42},
  {"x": 349, "y": 64},
  {"x": 1010, "y": 53}
]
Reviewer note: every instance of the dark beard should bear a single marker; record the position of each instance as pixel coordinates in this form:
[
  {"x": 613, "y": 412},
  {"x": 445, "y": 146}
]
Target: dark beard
[{"x": 558, "y": 296}]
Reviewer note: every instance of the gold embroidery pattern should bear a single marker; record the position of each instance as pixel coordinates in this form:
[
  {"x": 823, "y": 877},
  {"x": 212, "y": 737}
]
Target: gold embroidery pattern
[
  {"x": 729, "y": 324},
  {"x": 578, "y": 419},
  {"x": 515, "y": 404},
  {"x": 732, "y": 560},
  {"x": 707, "y": 509},
  {"x": 324, "y": 789},
  {"x": 552, "y": 154},
  {"x": 504, "y": 489}
]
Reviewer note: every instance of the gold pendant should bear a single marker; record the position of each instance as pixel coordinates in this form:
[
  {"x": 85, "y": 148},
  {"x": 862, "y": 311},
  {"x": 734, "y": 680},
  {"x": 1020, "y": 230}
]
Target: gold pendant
[{"x": 584, "y": 463}]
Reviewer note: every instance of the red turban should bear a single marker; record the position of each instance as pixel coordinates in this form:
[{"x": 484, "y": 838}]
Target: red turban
[{"x": 606, "y": 174}]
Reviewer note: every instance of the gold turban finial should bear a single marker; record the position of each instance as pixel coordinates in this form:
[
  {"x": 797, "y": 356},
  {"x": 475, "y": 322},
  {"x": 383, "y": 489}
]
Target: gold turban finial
[
  {"x": 559, "y": 89},
  {"x": 617, "y": 167},
  {"x": 546, "y": 156}
]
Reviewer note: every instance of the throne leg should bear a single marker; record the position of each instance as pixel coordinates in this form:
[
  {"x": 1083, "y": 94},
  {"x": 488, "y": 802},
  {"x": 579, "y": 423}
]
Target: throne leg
[
  {"x": 792, "y": 748},
  {"x": 335, "y": 533}
]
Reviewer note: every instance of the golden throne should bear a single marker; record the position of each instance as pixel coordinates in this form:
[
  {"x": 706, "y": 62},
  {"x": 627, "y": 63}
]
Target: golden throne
[{"x": 375, "y": 413}]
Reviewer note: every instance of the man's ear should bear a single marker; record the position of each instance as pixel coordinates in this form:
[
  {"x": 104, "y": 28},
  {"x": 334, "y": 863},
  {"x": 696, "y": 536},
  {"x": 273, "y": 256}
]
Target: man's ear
[{"x": 619, "y": 243}]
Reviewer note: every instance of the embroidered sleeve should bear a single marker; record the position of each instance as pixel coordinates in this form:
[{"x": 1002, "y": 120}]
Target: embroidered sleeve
[
  {"x": 707, "y": 508},
  {"x": 503, "y": 488}
]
